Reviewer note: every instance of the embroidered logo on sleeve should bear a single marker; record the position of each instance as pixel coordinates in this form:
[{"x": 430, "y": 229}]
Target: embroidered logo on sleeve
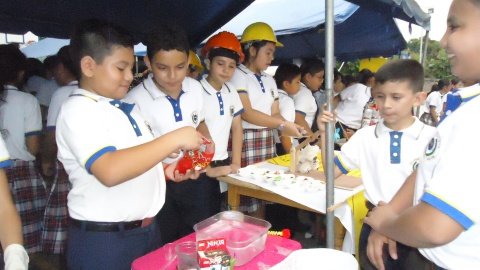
[
  {"x": 232, "y": 110},
  {"x": 432, "y": 148},
  {"x": 195, "y": 117}
]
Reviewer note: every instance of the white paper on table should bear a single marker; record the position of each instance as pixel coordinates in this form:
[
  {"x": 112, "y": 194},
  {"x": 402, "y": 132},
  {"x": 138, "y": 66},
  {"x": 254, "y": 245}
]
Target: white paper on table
[{"x": 315, "y": 200}]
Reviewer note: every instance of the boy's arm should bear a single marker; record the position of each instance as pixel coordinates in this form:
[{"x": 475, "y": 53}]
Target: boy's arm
[
  {"x": 33, "y": 144},
  {"x": 116, "y": 167},
  {"x": 412, "y": 225},
  {"x": 203, "y": 129},
  {"x": 433, "y": 113},
  {"x": 237, "y": 143}
]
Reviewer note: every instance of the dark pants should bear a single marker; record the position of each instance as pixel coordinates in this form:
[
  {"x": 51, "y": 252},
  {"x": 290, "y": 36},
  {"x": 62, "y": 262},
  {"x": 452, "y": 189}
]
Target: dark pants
[
  {"x": 408, "y": 257},
  {"x": 187, "y": 203},
  {"x": 91, "y": 250}
]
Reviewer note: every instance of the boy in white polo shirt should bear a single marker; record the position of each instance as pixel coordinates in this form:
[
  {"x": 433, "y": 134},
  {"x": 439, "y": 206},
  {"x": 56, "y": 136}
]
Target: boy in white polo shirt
[
  {"x": 222, "y": 108},
  {"x": 305, "y": 104},
  {"x": 389, "y": 151},
  {"x": 444, "y": 219},
  {"x": 170, "y": 100},
  {"x": 287, "y": 77},
  {"x": 111, "y": 157}
]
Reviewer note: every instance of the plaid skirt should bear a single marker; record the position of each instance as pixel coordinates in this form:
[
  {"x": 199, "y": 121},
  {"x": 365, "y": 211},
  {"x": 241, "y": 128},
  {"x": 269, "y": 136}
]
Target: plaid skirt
[
  {"x": 258, "y": 146},
  {"x": 29, "y": 194},
  {"x": 55, "y": 223}
]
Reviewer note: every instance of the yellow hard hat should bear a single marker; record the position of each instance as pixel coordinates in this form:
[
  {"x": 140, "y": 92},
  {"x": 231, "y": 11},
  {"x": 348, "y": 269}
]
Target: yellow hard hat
[
  {"x": 194, "y": 60},
  {"x": 259, "y": 31}
]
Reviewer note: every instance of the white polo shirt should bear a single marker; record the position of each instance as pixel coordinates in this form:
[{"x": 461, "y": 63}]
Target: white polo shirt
[
  {"x": 20, "y": 117},
  {"x": 350, "y": 108},
  {"x": 220, "y": 108},
  {"x": 447, "y": 179},
  {"x": 88, "y": 126},
  {"x": 385, "y": 157},
  {"x": 58, "y": 98},
  {"x": 261, "y": 89},
  {"x": 287, "y": 106},
  {"x": 305, "y": 104},
  {"x": 434, "y": 99},
  {"x": 164, "y": 113},
  {"x": 5, "y": 160},
  {"x": 45, "y": 92}
]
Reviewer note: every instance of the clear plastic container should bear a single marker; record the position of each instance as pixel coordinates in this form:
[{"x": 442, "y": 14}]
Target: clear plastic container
[{"x": 245, "y": 236}]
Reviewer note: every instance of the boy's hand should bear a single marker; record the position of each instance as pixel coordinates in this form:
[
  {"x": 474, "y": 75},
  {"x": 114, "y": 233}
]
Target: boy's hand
[
  {"x": 188, "y": 138},
  {"x": 189, "y": 174},
  {"x": 324, "y": 118},
  {"x": 376, "y": 242},
  {"x": 380, "y": 216}
]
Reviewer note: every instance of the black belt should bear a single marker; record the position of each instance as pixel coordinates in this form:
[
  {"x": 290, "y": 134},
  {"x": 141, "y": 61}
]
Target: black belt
[
  {"x": 95, "y": 226},
  {"x": 369, "y": 205},
  {"x": 219, "y": 163}
]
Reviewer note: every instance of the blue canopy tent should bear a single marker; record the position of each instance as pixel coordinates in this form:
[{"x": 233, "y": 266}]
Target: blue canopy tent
[
  {"x": 50, "y": 46},
  {"x": 364, "y": 29}
]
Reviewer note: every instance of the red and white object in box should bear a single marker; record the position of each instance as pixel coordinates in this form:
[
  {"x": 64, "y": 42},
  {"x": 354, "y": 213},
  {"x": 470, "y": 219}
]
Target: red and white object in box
[{"x": 213, "y": 254}]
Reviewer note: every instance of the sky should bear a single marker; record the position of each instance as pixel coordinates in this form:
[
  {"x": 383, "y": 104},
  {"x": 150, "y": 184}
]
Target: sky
[{"x": 438, "y": 21}]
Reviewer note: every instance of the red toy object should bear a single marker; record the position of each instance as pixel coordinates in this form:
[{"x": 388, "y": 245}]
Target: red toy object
[
  {"x": 197, "y": 159},
  {"x": 285, "y": 233}
]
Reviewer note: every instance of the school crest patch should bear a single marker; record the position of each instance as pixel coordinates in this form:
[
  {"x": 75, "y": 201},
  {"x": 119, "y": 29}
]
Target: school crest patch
[
  {"x": 432, "y": 147},
  {"x": 272, "y": 92},
  {"x": 195, "y": 117},
  {"x": 232, "y": 110},
  {"x": 415, "y": 164}
]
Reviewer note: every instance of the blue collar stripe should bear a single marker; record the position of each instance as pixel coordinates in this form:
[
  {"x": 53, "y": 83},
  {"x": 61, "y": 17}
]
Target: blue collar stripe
[
  {"x": 127, "y": 108},
  {"x": 259, "y": 79},
  {"x": 395, "y": 146},
  {"x": 220, "y": 103}
]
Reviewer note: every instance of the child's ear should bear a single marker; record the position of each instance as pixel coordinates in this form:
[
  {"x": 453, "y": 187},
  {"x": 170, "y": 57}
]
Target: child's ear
[
  {"x": 147, "y": 62},
  {"x": 207, "y": 63},
  {"x": 252, "y": 51},
  {"x": 87, "y": 66},
  {"x": 420, "y": 98},
  {"x": 285, "y": 84}
]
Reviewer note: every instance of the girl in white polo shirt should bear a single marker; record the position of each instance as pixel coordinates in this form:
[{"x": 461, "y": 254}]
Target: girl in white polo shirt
[
  {"x": 259, "y": 96},
  {"x": 21, "y": 127}
]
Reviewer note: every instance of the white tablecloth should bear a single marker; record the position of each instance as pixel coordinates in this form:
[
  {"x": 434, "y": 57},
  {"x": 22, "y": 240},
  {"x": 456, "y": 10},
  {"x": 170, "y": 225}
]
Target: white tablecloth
[{"x": 315, "y": 200}]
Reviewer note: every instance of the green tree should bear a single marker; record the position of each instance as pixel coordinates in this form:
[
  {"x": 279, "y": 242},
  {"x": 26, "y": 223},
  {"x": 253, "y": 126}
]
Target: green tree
[{"x": 436, "y": 62}]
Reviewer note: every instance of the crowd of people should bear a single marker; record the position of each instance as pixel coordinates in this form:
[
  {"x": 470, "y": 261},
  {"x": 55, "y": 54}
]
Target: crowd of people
[{"x": 88, "y": 170}]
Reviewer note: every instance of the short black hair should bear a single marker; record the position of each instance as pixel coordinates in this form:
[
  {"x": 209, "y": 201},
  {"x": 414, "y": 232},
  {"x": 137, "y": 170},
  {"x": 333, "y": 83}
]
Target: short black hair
[
  {"x": 312, "y": 66},
  {"x": 364, "y": 75},
  {"x": 286, "y": 72},
  {"x": 12, "y": 62},
  {"x": 402, "y": 70},
  {"x": 167, "y": 37},
  {"x": 65, "y": 58},
  {"x": 96, "y": 38}
]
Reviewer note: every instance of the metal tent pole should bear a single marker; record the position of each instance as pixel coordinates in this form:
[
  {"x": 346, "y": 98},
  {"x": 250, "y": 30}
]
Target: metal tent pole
[{"x": 329, "y": 66}]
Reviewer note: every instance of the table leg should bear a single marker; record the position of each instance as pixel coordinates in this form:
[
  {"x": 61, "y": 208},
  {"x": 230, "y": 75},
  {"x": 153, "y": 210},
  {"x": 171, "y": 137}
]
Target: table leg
[{"x": 233, "y": 197}]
